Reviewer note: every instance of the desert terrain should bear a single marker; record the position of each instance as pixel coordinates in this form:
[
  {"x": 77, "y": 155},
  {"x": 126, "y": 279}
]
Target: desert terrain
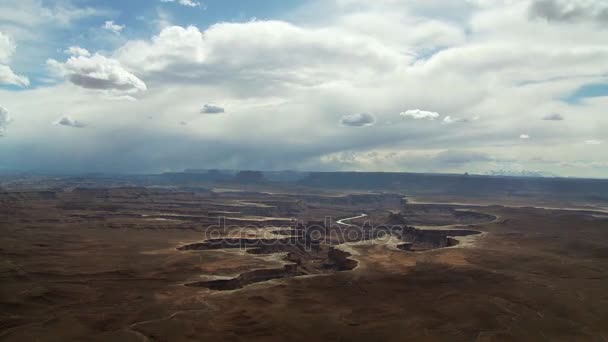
[{"x": 275, "y": 263}]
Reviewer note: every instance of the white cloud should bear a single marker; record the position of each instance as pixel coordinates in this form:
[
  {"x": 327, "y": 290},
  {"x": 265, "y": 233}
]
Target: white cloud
[
  {"x": 187, "y": 3},
  {"x": 212, "y": 109},
  {"x": 35, "y": 13},
  {"x": 99, "y": 72},
  {"x": 5, "y": 119},
  {"x": 513, "y": 62},
  {"x": 7, "y": 76},
  {"x": 524, "y": 136},
  {"x": 420, "y": 114},
  {"x": 412, "y": 160},
  {"x": 593, "y": 142},
  {"x": 388, "y": 26},
  {"x": 68, "y": 121},
  {"x": 7, "y": 48},
  {"x": 77, "y": 51},
  {"x": 112, "y": 27},
  {"x": 358, "y": 120},
  {"x": 262, "y": 53}
]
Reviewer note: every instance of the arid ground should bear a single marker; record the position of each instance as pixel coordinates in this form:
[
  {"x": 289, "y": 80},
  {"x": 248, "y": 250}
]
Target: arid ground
[{"x": 159, "y": 264}]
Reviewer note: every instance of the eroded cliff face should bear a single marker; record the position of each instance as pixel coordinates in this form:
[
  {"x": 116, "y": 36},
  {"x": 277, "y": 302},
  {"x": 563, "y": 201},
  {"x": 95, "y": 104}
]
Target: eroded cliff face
[
  {"x": 308, "y": 251},
  {"x": 337, "y": 260},
  {"x": 435, "y": 215},
  {"x": 247, "y": 278},
  {"x": 421, "y": 240},
  {"x": 340, "y": 260},
  {"x": 416, "y": 239}
]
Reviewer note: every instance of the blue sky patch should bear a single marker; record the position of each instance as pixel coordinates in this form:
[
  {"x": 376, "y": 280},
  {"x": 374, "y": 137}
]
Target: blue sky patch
[{"x": 587, "y": 91}]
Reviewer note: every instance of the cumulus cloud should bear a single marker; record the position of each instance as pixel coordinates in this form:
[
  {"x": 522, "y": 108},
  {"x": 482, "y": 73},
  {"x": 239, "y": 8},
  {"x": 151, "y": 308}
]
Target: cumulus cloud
[
  {"x": 112, "y": 27},
  {"x": 569, "y": 10},
  {"x": 77, "y": 51},
  {"x": 259, "y": 54},
  {"x": 420, "y": 114},
  {"x": 5, "y": 119},
  {"x": 511, "y": 59},
  {"x": 212, "y": 109},
  {"x": 553, "y": 117},
  {"x": 7, "y": 76},
  {"x": 98, "y": 72},
  {"x": 593, "y": 142},
  {"x": 68, "y": 121},
  {"x": 524, "y": 136},
  {"x": 187, "y": 3},
  {"x": 358, "y": 120}
]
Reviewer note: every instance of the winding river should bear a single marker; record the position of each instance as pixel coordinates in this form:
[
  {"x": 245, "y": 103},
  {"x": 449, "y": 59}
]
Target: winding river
[{"x": 342, "y": 221}]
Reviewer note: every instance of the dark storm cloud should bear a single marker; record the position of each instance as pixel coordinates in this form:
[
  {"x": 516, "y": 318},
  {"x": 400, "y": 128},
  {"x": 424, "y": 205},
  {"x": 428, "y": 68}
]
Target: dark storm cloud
[
  {"x": 358, "y": 120},
  {"x": 98, "y": 72},
  {"x": 153, "y": 152},
  {"x": 569, "y": 11},
  {"x": 212, "y": 109},
  {"x": 92, "y": 82},
  {"x": 67, "y": 121},
  {"x": 553, "y": 117},
  {"x": 158, "y": 151}
]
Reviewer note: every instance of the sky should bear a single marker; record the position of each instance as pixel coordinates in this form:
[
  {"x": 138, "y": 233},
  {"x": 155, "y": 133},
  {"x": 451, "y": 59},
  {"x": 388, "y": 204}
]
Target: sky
[{"x": 454, "y": 86}]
